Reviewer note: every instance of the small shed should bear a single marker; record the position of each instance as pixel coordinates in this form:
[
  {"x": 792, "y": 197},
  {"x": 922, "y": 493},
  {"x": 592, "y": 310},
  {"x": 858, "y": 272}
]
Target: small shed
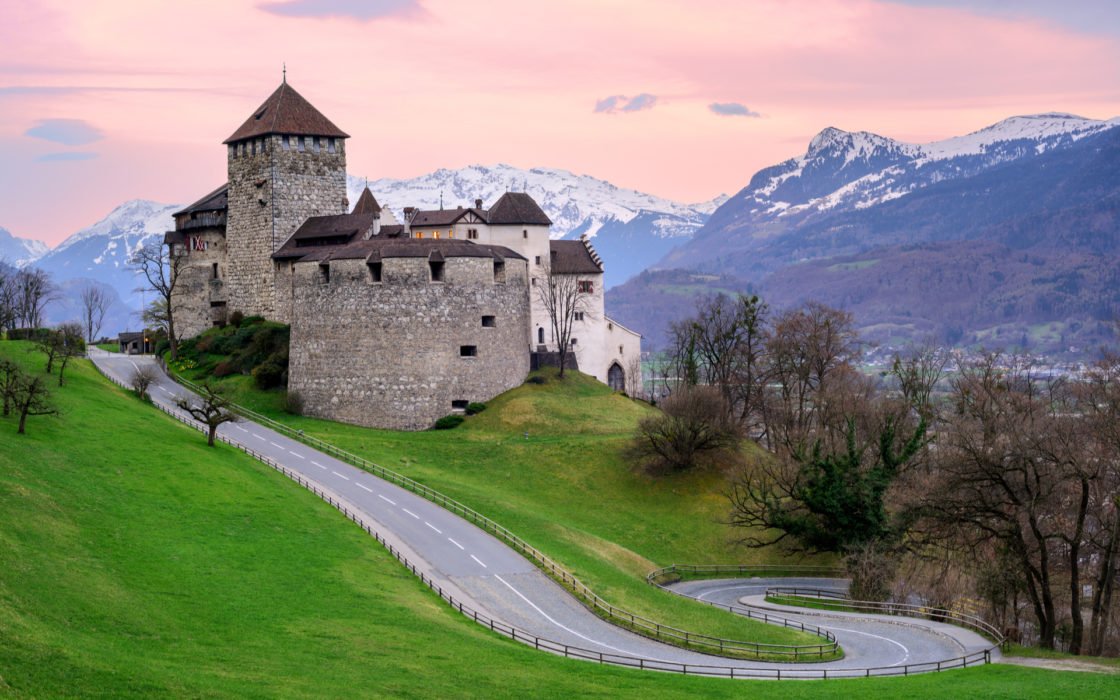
[{"x": 136, "y": 343}]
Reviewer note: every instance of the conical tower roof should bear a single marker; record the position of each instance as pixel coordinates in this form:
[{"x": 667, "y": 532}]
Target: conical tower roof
[
  {"x": 286, "y": 112},
  {"x": 366, "y": 204}
]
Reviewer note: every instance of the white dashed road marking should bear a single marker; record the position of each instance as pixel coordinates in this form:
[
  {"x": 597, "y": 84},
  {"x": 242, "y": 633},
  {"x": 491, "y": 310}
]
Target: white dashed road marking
[
  {"x": 411, "y": 513},
  {"x": 363, "y": 486},
  {"x": 258, "y": 436},
  {"x": 317, "y": 464},
  {"x": 341, "y": 476},
  {"x": 479, "y": 561},
  {"x": 438, "y": 531},
  {"x": 275, "y": 444},
  {"x": 390, "y": 501},
  {"x": 455, "y": 543},
  {"x": 296, "y": 454}
]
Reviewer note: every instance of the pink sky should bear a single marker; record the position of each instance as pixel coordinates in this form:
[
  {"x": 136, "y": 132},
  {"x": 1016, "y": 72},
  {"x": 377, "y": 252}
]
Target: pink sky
[{"x": 105, "y": 101}]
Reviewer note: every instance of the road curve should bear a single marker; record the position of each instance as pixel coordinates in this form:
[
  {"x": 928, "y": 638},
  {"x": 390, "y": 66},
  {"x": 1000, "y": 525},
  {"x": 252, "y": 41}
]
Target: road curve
[{"x": 494, "y": 579}]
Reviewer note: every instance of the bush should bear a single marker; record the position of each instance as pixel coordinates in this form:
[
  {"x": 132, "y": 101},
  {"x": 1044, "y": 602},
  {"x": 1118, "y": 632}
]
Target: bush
[
  {"x": 236, "y": 319},
  {"x": 536, "y": 379},
  {"x": 448, "y": 422},
  {"x": 252, "y": 320},
  {"x": 163, "y": 346},
  {"x": 475, "y": 407},
  {"x": 224, "y": 369},
  {"x": 28, "y": 333},
  {"x": 292, "y": 403},
  {"x": 270, "y": 374},
  {"x": 693, "y": 427}
]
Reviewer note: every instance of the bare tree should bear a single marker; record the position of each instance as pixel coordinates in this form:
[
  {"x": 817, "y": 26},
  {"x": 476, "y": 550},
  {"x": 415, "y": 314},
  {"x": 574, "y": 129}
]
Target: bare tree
[
  {"x": 32, "y": 399},
  {"x": 49, "y": 342},
  {"x": 144, "y": 376},
  {"x": 32, "y": 291},
  {"x": 95, "y": 304},
  {"x": 71, "y": 345},
  {"x": 918, "y": 373},
  {"x": 693, "y": 424},
  {"x": 563, "y": 296},
  {"x": 10, "y": 376},
  {"x": 161, "y": 269},
  {"x": 211, "y": 408},
  {"x": 7, "y": 298}
]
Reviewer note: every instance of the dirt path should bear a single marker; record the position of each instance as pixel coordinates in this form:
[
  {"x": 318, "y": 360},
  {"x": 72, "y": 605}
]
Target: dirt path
[{"x": 1059, "y": 664}]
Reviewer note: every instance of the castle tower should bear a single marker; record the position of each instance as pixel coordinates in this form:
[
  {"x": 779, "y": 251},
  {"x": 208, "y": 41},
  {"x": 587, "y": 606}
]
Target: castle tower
[{"x": 287, "y": 162}]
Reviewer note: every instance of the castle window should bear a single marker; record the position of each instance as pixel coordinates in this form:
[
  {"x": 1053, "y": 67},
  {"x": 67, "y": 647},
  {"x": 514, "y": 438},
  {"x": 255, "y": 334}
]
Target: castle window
[
  {"x": 330, "y": 145},
  {"x": 451, "y": 233},
  {"x": 374, "y": 271},
  {"x": 459, "y": 404},
  {"x": 586, "y": 287},
  {"x": 538, "y": 260},
  {"x": 325, "y": 273},
  {"x": 579, "y": 316},
  {"x": 232, "y": 151},
  {"x": 472, "y": 234},
  {"x": 489, "y": 322},
  {"x": 499, "y": 271},
  {"x": 533, "y": 282},
  {"x": 300, "y": 144},
  {"x": 419, "y": 234},
  {"x": 435, "y": 235},
  {"x": 610, "y": 326},
  {"x": 525, "y": 233},
  {"x": 285, "y": 143},
  {"x": 619, "y": 349},
  {"x": 436, "y": 266},
  {"x": 575, "y": 341},
  {"x": 468, "y": 351},
  {"x": 540, "y": 335},
  {"x": 315, "y": 144},
  {"x": 214, "y": 272}
]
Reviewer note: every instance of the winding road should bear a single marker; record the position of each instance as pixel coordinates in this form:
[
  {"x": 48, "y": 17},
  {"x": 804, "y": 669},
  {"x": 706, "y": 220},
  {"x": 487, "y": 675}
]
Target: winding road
[{"x": 491, "y": 577}]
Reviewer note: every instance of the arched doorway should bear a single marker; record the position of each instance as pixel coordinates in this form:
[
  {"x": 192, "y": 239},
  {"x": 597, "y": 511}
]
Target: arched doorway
[{"x": 616, "y": 378}]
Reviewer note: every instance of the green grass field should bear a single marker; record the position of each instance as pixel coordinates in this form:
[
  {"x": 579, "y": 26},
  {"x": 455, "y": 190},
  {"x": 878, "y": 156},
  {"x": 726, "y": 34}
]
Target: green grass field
[
  {"x": 136, "y": 562},
  {"x": 566, "y": 489}
]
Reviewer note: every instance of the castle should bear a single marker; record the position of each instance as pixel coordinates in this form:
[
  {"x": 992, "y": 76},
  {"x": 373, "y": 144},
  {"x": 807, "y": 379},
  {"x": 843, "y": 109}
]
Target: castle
[{"x": 393, "y": 323}]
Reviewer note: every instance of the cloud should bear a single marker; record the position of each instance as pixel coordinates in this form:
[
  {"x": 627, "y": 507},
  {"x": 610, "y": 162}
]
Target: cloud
[
  {"x": 66, "y": 156},
  {"x": 363, "y": 10},
  {"x": 732, "y": 109},
  {"x": 622, "y": 103},
  {"x": 68, "y": 132}
]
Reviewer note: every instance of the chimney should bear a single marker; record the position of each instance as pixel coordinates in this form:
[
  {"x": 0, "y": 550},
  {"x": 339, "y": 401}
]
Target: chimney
[{"x": 478, "y": 204}]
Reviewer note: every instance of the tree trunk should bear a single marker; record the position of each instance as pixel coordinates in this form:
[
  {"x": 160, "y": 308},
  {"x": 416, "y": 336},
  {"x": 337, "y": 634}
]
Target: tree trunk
[
  {"x": 22, "y": 421},
  {"x": 1077, "y": 622},
  {"x": 174, "y": 345},
  {"x": 1102, "y": 596}
]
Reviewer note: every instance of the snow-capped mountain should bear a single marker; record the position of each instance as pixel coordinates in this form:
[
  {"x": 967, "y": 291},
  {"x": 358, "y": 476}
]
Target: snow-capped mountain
[
  {"x": 20, "y": 251},
  {"x": 845, "y": 171},
  {"x": 631, "y": 229},
  {"x": 101, "y": 252}
]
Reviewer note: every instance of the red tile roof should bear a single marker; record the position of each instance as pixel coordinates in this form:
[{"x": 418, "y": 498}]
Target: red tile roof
[{"x": 286, "y": 112}]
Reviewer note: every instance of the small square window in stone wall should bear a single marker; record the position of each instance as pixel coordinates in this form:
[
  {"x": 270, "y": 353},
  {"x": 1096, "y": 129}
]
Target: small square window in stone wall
[
  {"x": 459, "y": 404},
  {"x": 489, "y": 322},
  {"x": 437, "y": 270},
  {"x": 468, "y": 351}
]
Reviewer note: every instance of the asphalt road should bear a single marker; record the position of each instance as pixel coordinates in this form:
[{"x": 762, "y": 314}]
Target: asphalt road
[{"x": 493, "y": 578}]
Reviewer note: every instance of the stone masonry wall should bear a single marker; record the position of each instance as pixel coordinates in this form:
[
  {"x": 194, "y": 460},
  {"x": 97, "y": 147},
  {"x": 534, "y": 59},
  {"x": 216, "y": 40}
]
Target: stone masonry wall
[
  {"x": 196, "y": 290},
  {"x": 272, "y": 191},
  {"x": 388, "y": 354}
]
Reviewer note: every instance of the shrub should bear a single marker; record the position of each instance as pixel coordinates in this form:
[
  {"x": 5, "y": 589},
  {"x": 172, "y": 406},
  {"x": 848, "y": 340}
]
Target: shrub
[
  {"x": 693, "y": 427},
  {"x": 270, "y": 374},
  {"x": 224, "y": 369},
  {"x": 163, "y": 346},
  {"x": 236, "y": 319},
  {"x": 448, "y": 422},
  {"x": 292, "y": 403},
  {"x": 475, "y": 407},
  {"x": 252, "y": 320},
  {"x": 202, "y": 343},
  {"x": 536, "y": 379}
]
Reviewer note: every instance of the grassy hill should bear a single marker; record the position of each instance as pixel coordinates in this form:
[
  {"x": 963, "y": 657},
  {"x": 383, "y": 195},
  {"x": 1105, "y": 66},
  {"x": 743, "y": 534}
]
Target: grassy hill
[
  {"x": 136, "y": 562},
  {"x": 545, "y": 460}
]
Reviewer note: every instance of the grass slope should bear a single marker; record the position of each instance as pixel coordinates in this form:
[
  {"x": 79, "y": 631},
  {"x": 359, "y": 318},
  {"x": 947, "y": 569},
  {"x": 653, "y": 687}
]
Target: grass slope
[
  {"x": 136, "y": 562},
  {"x": 545, "y": 461}
]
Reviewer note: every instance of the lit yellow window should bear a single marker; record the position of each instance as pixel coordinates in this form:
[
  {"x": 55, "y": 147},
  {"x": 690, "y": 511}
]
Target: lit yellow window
[
  {"x": 450, "y": 234},
  {"x": 435, "y": 235},
  {"x": 419, "y": 234}
]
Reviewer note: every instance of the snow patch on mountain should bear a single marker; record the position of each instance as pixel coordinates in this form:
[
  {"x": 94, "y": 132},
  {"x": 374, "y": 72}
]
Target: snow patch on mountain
[
  {"x": 132, "y": 224},
  {"x": 20, "y": 251},
  {"x": 574, "y": 202}
]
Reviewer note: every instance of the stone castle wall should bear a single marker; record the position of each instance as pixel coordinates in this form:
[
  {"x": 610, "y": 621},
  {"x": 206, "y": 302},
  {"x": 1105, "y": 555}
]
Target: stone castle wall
[
  {"x": 272, "y": 191},
  {"x": 199, "y": 299},
  {"x": 388, "y": 354}
]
